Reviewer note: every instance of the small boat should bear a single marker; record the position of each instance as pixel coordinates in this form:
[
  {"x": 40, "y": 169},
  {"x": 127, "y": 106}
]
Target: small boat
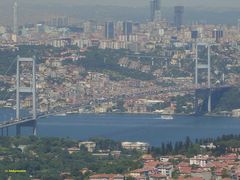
[
  {"x": 167, "y": 117},
  {"x": 72, "y": 112},
  {"x": 62, "y": 114}
]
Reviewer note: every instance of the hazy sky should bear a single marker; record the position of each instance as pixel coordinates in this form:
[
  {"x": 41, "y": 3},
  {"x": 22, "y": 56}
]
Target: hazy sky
[
  {"x": 205, "y": 3},
  {"x": 37, "y": 10},
  {"x": 228, "y": 3}
]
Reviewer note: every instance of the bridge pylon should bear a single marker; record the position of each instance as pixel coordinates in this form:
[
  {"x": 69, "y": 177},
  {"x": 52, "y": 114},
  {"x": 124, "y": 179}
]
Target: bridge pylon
[
  {"x": 206, "y": 66},
  {"x": 22, "y": 89}
]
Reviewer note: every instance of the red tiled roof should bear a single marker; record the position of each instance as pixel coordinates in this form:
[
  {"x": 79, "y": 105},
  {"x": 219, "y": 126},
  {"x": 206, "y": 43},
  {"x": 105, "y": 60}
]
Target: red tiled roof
[
  {"x": 183, "y": 164},
  {"x": 158, "y": 175},
  {"x": 147, "y": 157},
  {"x": 152, "y": 164},
  {"x": 140, "y": 178},
  {"x": 228, "y": 157},
  {"x": 190, "y": 178},
  {"x": 185, "y": 170},
  {"x": 110, "y": 176},
  {"x": 218, "y": 171},
  {"x": 142, "y": 170},
  {"x": 198, "y": 170}
]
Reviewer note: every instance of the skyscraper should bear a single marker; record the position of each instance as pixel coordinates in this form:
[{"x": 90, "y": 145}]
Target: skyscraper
[
  {"x": 155, "y": 10},
  {"x": 217, "y": 34},
  {"x": 15, "y": 18},
  {"x": 239, "y": 25},
  {"x": 178, "y": 16},
  {"x": 127, "y": 28},
  {"x": 109, "y": 30}
]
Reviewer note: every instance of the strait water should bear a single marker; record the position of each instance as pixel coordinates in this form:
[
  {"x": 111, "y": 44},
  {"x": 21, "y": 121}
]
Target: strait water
[{"x": 128, "y": 127}]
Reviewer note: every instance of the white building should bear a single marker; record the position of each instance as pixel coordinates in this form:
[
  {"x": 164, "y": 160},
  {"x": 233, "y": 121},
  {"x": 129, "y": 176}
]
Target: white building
[
  {"x": 89, "y": 145},
  {"x": 165, "y": 168},
  {"x": 141, "y": 146},
  {"x": 199, "y": 160},
  {"x": 236, "y": 113}
]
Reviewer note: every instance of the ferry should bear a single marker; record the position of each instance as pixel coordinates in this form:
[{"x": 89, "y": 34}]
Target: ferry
[
  {"x": 62, "y": 114},
  {"x": 72, "y": 112},
  {"x": 167, "y": 117}
]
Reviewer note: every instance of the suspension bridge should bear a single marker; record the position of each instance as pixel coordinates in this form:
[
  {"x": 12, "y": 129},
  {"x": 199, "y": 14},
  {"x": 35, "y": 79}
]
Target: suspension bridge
[{"x": 31, "y": 121}]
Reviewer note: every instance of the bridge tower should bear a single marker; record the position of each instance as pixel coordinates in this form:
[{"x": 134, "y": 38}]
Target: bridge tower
[
  {"x": 31, "y": 89},
  {"x": 206, "y": 66}
]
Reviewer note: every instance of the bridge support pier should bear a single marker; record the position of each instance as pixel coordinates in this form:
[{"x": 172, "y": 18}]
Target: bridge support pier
[
  {"x": 7, "y": 131},
  {"x": 210, "y": 101},
  {"x": 196, "y": 104},
  {"x": 18, "y": 130},
  {"x": 206, "y": 66},
  {"x": 32, "y": 124},
  {"x": 31, "y": 89},
  {"x": 35, "y": 128}
]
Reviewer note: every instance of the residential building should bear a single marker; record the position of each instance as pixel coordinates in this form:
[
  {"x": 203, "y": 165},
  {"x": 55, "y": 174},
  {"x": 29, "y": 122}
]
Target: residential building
[
  {"x": 141, "y": 146},
  {"x": 89, "y": 145}
]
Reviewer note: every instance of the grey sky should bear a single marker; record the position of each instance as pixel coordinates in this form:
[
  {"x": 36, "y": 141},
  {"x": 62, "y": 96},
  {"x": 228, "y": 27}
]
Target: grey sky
[
  {"x": 38, "y": 10},
  {"x": 229, "y": 3},
  {"x": 202, "y": 3}
]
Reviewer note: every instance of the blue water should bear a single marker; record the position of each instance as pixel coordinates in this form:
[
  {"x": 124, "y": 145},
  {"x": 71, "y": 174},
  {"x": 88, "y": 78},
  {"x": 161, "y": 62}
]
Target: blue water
[{"x": 127, "y": 127}]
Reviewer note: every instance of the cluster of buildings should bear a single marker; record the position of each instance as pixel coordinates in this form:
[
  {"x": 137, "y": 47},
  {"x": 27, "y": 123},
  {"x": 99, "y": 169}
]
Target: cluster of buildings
[
  {"x": 61, "y": 84},
  {"x": 201, "y": 167},
  {"x": 204, "y": 166},
  {"x": 136, "y": 36}
]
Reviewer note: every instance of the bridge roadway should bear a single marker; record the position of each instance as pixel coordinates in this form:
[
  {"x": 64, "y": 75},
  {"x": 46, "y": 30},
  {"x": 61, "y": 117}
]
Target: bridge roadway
[{"x": 15, "y": 122}]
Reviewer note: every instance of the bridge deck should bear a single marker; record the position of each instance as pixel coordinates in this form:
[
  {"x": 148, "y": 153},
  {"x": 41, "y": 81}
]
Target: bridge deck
[{"x": 15, "y": 122}]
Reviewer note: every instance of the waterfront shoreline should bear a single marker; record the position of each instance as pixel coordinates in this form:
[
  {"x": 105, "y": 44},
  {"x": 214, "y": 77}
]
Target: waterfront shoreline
[{"x": 144, "y": 113}]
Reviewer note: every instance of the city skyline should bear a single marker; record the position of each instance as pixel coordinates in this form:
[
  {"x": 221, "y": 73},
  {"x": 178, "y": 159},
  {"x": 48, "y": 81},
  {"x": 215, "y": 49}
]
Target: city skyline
[
  {"x": 136, "y": 3},
  {"x": 37, "y": 11}
]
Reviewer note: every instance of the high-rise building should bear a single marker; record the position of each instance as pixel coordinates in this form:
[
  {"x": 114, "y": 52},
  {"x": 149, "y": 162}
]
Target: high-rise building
[
  {"x": 239, "y": 25},
  {"x": 194, "y": 34},
  {"x": 127, "y": 28},
  {"x": 217, "y": 34},
  {"x": 15, "y": 18},
  {"x": 40, "y": 28},
  {"x": 155, "y": 10},
  {"x": 178, "y": 16},
  {"x": 109, "y": 30},
  {"x": 59, "y": 22}
]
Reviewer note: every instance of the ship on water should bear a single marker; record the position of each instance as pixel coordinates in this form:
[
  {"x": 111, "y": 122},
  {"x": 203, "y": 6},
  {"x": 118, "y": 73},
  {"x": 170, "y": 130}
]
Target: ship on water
[
  {"x": 61, "y": 114},
  {"x": 167, "y": 117}
]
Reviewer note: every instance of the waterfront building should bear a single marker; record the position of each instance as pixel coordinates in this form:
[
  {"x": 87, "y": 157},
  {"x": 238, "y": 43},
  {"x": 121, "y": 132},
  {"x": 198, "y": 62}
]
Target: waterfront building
[{"x": 236, "y": 113}]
